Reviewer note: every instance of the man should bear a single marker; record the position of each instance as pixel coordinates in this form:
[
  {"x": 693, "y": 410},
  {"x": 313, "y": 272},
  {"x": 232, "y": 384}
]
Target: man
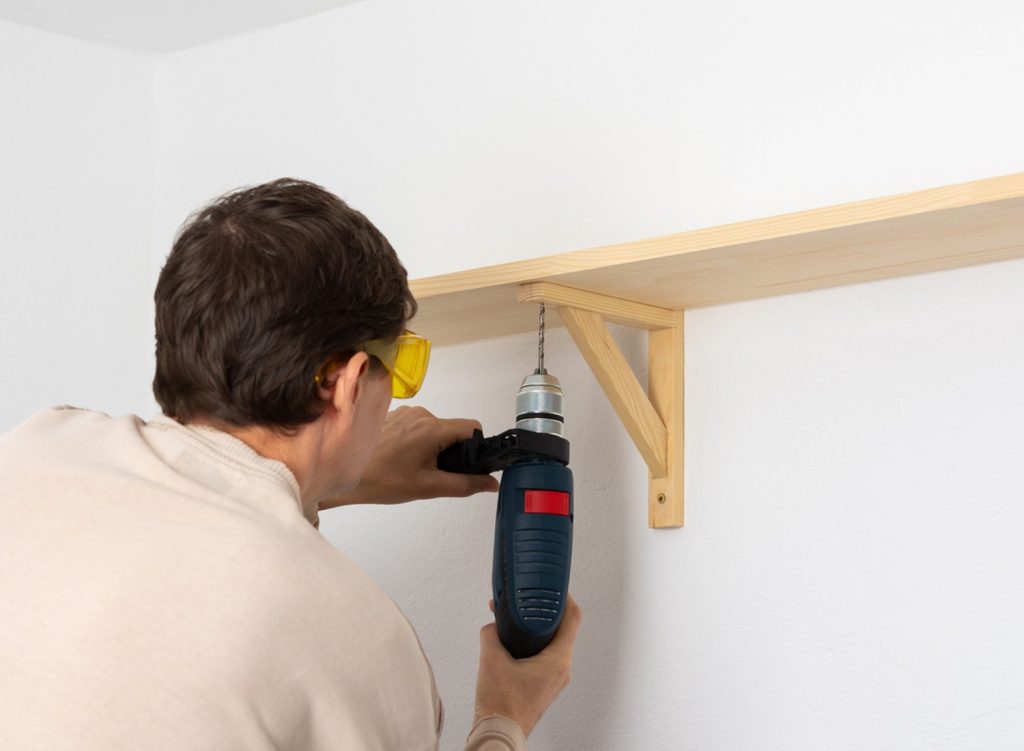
[{"x": 163, "y": 583}]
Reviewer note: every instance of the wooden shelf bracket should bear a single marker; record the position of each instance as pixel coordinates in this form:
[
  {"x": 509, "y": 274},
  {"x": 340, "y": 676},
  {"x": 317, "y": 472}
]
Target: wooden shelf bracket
[
  {"x": 652, "y": 418},
  {"x": 980, "y": 221}
]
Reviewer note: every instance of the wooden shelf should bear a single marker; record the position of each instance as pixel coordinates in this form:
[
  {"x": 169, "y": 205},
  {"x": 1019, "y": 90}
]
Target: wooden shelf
[
  {"x": 940, "y": 228},
  {"x": 648, "y": 283}
]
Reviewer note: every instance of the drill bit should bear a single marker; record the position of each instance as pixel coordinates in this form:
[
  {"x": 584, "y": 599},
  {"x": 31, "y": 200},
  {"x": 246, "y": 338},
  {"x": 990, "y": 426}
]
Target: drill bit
[{"x": 540, "y": 344}]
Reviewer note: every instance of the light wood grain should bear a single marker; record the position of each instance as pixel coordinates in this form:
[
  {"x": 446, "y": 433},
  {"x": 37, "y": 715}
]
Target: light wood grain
[
  {"x": 620, "y": 385},
  {"x": 665, "y": 503},
  {"x": 613, "y": 309},
  {"x": 929, "y": 230}
]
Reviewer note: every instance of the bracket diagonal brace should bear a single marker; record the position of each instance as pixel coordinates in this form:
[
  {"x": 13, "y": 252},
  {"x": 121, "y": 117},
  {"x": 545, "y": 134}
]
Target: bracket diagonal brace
[{"x": 653, "y": 419}]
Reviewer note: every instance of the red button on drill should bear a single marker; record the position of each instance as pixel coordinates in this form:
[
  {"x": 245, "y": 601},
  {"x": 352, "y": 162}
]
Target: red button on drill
[{"x": 547, "y": 502}]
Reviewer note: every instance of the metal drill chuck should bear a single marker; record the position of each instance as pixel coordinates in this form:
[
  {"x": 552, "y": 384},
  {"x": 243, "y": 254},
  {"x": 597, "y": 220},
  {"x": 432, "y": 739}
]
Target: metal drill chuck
[{"x": 539, "y": 405}]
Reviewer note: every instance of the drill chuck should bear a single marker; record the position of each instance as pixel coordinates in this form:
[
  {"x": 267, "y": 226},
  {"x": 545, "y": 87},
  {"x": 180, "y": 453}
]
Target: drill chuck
[{"x": 539, "y": 405}]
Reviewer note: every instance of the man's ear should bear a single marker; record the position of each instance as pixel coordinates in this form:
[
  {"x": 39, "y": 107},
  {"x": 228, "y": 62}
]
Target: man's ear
[{"x": 343, "y": 387}]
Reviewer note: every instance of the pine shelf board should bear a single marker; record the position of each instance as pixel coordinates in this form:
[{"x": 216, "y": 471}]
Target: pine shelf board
[{"x": 929, "y": 230}]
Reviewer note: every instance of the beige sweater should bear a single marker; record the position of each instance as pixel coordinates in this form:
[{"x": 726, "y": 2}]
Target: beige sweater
[{"x": 160, "y": 588}]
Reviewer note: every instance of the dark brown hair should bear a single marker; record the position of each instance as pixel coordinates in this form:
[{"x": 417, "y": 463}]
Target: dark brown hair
[{"x": 262, "y": 287}]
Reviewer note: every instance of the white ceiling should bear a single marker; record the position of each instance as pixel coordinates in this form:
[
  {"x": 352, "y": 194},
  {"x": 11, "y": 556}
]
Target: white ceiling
[{"x": 157, "y": 25}]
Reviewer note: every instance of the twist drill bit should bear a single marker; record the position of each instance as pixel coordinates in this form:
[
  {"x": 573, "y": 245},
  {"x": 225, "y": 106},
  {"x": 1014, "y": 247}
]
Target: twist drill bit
[{"x": 540, "y": 344}]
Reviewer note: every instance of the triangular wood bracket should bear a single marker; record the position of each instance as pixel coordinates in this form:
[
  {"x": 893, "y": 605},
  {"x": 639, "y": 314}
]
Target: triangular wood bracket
[{"x": 653, "y": 419}]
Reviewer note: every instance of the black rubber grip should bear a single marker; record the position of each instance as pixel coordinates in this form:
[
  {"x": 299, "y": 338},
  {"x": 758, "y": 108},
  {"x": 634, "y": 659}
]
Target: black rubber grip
[
  {"x": 481, "y": 456},
  {"x": 461, "y": 457}
]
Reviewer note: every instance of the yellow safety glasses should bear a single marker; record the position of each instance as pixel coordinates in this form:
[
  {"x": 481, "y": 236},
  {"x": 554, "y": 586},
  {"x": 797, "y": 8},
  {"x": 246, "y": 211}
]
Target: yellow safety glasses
[{"x": 405, "y": 357}]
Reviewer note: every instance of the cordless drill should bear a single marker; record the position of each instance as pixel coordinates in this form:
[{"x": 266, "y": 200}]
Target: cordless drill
[{"x": 533, "y": 526}]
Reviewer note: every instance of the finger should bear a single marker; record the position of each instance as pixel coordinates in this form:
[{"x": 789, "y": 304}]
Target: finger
[
  {"x": 455, "y": 429},
  {"x": 399, "y": 413},
  {"x": 489, "y": 641},
  {"x": 565, "y": 637},
  {"x": 574, "y": 613},
  {"x": 485, "y": 484},
  {"x": 492, "y": 651},
  {"x": 454, "y": 485},
  {"x": 490, "y": 605}
]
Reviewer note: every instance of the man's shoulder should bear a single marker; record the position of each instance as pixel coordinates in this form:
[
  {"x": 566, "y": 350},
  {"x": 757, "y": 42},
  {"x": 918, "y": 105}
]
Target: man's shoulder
[
  {"x": 48, "y": 418},
  {"x": 66, "y": 422},
  {"x": 308, "y": 578}
]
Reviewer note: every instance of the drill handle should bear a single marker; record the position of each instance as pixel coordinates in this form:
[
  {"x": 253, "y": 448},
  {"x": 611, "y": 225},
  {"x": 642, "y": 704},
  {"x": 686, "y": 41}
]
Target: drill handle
[
  {"x": 482, "y": 456},
  {"x": 463, "y": 457},
  {"x": 517, "y": 640},
  {"x": 532, "y": 554}
]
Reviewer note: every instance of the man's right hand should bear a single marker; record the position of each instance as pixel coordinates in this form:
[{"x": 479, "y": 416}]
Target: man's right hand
[
  {"x": 404, "y": 464},
  {"x": 522, "y": 690}
]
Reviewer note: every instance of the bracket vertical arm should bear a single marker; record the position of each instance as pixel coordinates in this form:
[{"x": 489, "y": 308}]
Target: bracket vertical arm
[{"x": 653, "y": 420}]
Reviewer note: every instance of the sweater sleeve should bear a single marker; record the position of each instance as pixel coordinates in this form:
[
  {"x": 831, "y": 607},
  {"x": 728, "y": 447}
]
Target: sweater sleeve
[{"x": 496, "y": 733}]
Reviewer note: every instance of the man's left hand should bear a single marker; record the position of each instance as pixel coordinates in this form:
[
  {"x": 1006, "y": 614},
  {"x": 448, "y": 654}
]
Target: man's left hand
[{"x": 404, "y": 466}]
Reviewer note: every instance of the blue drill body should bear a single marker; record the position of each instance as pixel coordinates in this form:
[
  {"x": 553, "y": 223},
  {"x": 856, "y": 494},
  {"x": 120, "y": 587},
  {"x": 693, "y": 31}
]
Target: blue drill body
[{"x": 532, "y": 554}]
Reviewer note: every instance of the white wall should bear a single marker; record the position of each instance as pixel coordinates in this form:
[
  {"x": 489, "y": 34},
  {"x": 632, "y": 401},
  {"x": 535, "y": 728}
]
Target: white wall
[
  {"x": 477, "y": 132},
  {"x": 76, "y": 264},
  {"x": 850, "y": 574}
]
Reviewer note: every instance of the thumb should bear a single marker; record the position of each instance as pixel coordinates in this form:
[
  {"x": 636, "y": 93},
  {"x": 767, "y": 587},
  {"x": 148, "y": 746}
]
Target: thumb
[{"x": 492, "y": 651}]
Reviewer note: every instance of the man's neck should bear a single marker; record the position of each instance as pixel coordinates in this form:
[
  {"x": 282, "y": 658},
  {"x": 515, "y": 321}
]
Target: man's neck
[{"x": 297, "y": 452}]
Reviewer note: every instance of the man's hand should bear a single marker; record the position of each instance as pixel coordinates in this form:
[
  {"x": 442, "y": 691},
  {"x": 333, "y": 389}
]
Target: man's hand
[
  {"x": 522, "y": 690},
  {"x": 404, "y": 466}
]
